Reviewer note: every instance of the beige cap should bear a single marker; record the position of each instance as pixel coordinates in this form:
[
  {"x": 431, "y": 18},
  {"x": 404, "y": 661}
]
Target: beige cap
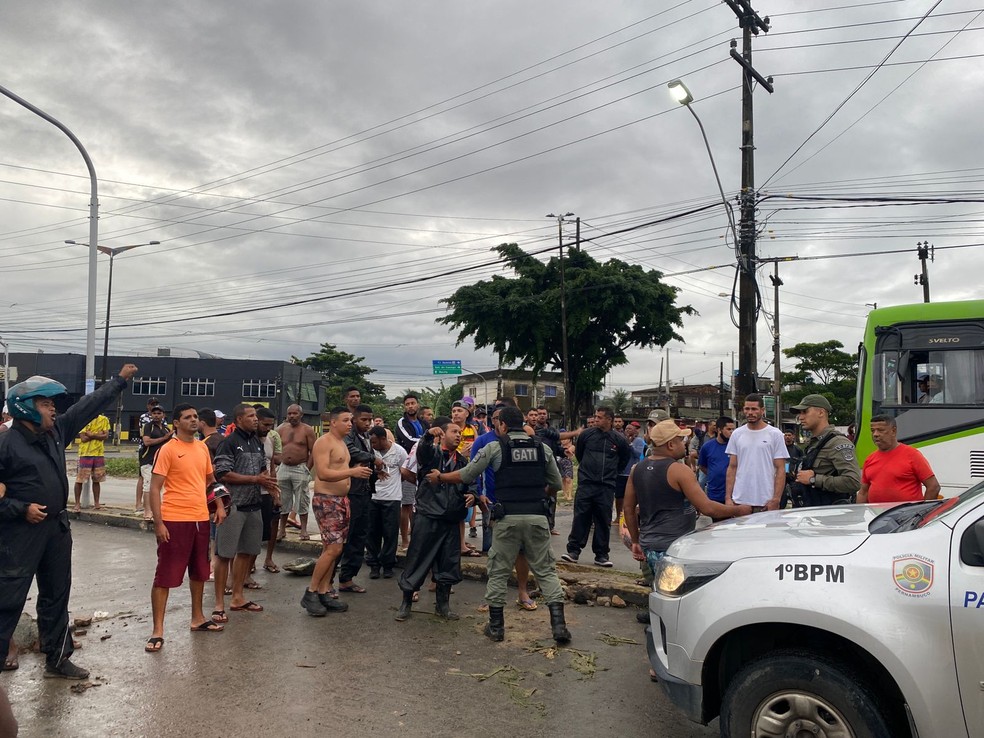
[{"x": 665, "y": 431}]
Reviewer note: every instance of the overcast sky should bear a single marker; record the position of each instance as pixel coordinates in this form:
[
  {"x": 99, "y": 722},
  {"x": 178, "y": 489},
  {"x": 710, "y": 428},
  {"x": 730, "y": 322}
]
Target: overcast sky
[{"x": 299, "y": 150}]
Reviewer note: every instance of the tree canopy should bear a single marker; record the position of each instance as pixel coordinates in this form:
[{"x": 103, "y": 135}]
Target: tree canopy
[
  {"x": 611, "y": 307},
  {"x": 823, "y": 368},
  {"x": 340, "y": 370}
]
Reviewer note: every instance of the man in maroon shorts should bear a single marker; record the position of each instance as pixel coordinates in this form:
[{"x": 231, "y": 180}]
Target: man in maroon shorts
[
  {"x": 183, "y": 468},
  {"x": 330, "y": 503}
]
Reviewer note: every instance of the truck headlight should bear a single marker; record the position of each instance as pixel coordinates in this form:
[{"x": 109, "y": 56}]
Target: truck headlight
[{"x": 676, "y": 578}]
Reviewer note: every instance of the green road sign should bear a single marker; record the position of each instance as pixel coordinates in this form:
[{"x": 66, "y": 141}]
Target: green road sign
[{"x": 446, "y": 366}]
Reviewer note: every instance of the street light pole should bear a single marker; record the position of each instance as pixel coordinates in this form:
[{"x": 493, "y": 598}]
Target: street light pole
[
  {"x": 563, "y": 313},
  {"x": 484, "y": 381},
  {"x": 90, "y": 332},
  {"x": 109, "y": 291}
]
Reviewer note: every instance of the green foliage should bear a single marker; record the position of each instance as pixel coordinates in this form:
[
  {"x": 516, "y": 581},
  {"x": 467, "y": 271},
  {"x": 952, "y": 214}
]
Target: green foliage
[
  {"x": 611, "y": 307},
  {"x": 340, "y": 370},
  {"x": 440, "y": 399},
  {"x": 823, "y": 368},
  {"x": 620, "y": 401},
  {"x": 122, "y": 466}
]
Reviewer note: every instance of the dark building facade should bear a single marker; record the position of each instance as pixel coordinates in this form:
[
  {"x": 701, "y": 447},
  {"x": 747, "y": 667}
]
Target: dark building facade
[{"x": 203, "y": 382}]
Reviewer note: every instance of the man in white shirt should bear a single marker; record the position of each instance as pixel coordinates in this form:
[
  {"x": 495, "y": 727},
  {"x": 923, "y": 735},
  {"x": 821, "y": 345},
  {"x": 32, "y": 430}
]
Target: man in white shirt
[
  {"x": 384, "y": 507},
  {"x": 757, "y": 469}
]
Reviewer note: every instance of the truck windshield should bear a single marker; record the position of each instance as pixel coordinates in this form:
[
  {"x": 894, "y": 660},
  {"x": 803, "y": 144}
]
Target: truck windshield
[{"x": 917, "y": 514}]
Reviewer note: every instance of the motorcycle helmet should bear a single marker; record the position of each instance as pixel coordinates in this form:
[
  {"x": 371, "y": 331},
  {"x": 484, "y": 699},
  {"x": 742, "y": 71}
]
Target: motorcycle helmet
[{"x": 20, "y": 398}]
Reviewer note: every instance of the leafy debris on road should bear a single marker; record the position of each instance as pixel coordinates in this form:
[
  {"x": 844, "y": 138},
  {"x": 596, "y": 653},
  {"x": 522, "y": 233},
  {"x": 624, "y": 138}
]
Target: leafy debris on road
[
  {"x": 583, "y": 662},
  {"x": 512, "y": 679},
  {"x": 614, "y": 640}
]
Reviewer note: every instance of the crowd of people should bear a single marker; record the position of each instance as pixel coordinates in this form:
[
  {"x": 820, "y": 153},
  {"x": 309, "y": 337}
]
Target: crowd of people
[{"x": 216, "y": 493}]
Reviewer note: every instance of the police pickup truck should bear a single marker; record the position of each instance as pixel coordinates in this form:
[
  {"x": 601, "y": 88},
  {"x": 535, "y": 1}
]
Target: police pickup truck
[{"x": 860, "y": 620}]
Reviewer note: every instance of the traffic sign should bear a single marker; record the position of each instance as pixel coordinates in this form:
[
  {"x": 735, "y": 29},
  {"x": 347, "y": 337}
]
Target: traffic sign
[{"x": 447, "y": 366}]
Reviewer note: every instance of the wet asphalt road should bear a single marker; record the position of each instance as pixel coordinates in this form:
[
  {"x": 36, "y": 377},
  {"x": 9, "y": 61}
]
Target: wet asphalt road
[{"x": 354, "y": 674}]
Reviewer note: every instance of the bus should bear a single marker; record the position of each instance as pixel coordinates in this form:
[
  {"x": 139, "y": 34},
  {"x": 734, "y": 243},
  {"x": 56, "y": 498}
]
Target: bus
[{"x": 924, "y": 365}]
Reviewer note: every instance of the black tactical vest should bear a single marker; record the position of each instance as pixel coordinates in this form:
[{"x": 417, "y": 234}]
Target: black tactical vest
[{"x": 521, "y": 478}]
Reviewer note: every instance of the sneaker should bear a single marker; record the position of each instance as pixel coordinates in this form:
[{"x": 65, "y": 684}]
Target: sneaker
[
  {"x": 569, "y": 557},
  {"x": 65, "y": 669},
  {"x": 387, "y": 573},
  {"x": 603, "y": 561},
  {"x": 313, "y": 604},
  {"x": 331, "y": 604},
  {"x": 374, "y": 572}
]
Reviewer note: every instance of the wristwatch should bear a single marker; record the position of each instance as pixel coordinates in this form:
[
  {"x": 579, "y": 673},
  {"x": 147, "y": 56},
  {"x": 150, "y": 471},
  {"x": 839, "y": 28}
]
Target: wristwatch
[{"x": 813, "y": 479}]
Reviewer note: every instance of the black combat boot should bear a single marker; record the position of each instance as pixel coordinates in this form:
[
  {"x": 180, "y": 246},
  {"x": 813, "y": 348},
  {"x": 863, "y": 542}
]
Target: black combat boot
[
  {"x": 557, "y": 623},
  {"x": 405, "y": 607},
  {"x": 443, "y": 606},
  {"x": 495, "y": 629}
]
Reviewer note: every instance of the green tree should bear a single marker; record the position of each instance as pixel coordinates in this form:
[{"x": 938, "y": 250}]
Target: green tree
[
  {"x": 340, "y": 370},
  {"x": 439, "y": 400},
  {"x": 620, "y": 401},
  {"x": 611, "y": 307},
  {"x": 825, "y": 369}
]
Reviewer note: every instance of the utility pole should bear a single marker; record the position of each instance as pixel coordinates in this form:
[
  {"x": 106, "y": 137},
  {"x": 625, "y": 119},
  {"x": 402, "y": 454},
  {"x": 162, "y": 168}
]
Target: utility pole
[
  {"x": 748, "y": 299},
  {"x": 563, "y": 316},
  {"x": 721, "y": 392},
  {"x": 777, "y": 389},
  {"x": 924, "y": 251}
]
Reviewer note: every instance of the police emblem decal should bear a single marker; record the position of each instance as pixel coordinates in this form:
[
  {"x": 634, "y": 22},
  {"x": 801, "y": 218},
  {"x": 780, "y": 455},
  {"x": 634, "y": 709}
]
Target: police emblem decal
[{"x": 913, "y": 575}]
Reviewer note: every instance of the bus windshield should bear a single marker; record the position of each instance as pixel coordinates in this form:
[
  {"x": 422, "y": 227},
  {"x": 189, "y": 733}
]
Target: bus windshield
[{"x": 950, "y": 377}]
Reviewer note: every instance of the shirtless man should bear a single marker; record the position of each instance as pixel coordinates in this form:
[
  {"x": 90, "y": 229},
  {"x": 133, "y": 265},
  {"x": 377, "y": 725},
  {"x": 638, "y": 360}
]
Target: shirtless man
[
  {"x": 332, "y": 477},
  {"x": 293, "y": 473}
]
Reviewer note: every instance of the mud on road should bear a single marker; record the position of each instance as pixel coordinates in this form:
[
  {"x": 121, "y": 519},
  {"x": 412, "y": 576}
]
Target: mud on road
[{"x": 357, "y": 673}]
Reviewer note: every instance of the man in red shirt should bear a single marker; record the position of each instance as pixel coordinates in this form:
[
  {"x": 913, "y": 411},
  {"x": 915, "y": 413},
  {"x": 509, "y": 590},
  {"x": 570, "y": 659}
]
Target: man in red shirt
[
  {"x": 895, "y": 472},
  {"x": 183, "y": 469}
]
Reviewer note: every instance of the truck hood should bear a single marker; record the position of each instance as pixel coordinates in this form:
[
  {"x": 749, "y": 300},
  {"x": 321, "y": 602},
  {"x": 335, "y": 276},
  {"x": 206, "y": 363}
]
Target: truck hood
[{"x": 814, "y": 531}]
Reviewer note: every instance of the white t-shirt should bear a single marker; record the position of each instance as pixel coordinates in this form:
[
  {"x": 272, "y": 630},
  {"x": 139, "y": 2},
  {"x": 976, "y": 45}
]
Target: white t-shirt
[
  {"x": 391, "y": 488},
  {"x": 755, "y": 481},
  {"x": 411, "y": 465}
]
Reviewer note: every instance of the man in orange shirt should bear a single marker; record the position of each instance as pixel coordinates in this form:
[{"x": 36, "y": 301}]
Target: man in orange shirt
[
  {"x": 895, "y": 472},
  {"x": 183, "y": 468}
]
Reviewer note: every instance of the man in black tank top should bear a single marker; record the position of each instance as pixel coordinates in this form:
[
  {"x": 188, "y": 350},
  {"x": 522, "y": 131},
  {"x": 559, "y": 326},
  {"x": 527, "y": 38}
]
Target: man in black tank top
[{"x": 661, "y": 496}]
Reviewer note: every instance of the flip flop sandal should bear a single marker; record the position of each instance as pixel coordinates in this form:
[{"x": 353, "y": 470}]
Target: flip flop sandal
[
  {"x": 247, "y": 607},
  {"x": 355, "y": 588},
  {"x": 209, "y": 626},
  {"x": 11, "y": 664},
  {"x": 529, "y": 605},
  {"x": 219, "y": 616},
  {"x": 472, "y": 553},
  {"x": 333, "y": 593},
  {"x": 305, "y": 537},
  {"x": 272, "y": 568},
  {"x": 416, "y": 597},
  {"x": 252, "y": 585},
  {"x": 154, "y": 645},
  {"x": 292, "y": 524}
]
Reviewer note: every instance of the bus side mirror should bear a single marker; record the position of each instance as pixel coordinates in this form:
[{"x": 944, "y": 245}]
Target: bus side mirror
[{"x": 972, "y": 545}]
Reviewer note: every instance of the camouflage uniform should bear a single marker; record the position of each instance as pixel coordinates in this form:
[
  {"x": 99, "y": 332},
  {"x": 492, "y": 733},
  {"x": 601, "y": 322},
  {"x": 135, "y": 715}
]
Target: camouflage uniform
[{"x": 836, "y": 466}]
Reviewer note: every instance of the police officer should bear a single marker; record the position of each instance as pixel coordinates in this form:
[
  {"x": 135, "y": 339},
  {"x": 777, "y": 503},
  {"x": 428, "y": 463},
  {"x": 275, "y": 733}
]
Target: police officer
[
  {"x": 828, "y": 473},
  {"x": 524, "y": 470},
  {"x": 35, "y": 539}
]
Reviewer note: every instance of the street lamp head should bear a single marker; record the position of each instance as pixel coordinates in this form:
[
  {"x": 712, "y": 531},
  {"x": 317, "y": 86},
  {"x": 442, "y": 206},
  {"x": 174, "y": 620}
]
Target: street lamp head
[
  {"x": 680, "y": 92},
  {"x": 75, "y": 243},
  {"x": 153, "y": 243}
]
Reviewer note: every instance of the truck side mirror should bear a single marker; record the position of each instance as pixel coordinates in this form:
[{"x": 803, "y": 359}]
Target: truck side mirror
[{"x": 972, "y": 545}]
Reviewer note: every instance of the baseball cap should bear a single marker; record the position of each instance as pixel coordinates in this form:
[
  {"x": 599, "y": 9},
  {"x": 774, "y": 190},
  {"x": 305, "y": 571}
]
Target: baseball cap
[
  {"x": 158, "y": 407},
  {"x": 480, "y": 411},
  {"x": 658, "y": 416},
  {"x": 813, "y": 401},
  {"x": 923, "y": 377},
  {"x": 219, "y": 414},
  {"x": 460, "y": 403},
  {"x": 468, "y": 401},
  {"x": 665, "y": 431}
]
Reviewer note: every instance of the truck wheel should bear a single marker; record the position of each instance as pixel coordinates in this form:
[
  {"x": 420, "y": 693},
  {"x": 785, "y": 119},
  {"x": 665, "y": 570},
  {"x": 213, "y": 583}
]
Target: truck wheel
[{"x": 801, "y": 693}]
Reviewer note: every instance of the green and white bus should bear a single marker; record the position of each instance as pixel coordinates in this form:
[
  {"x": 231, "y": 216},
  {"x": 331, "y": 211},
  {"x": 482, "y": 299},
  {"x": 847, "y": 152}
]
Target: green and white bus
[{"x": 924, "y": 365}]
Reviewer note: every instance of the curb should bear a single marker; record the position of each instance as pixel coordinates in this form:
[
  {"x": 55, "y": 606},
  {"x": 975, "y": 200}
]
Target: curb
[{"x": 589, "y": 580}]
